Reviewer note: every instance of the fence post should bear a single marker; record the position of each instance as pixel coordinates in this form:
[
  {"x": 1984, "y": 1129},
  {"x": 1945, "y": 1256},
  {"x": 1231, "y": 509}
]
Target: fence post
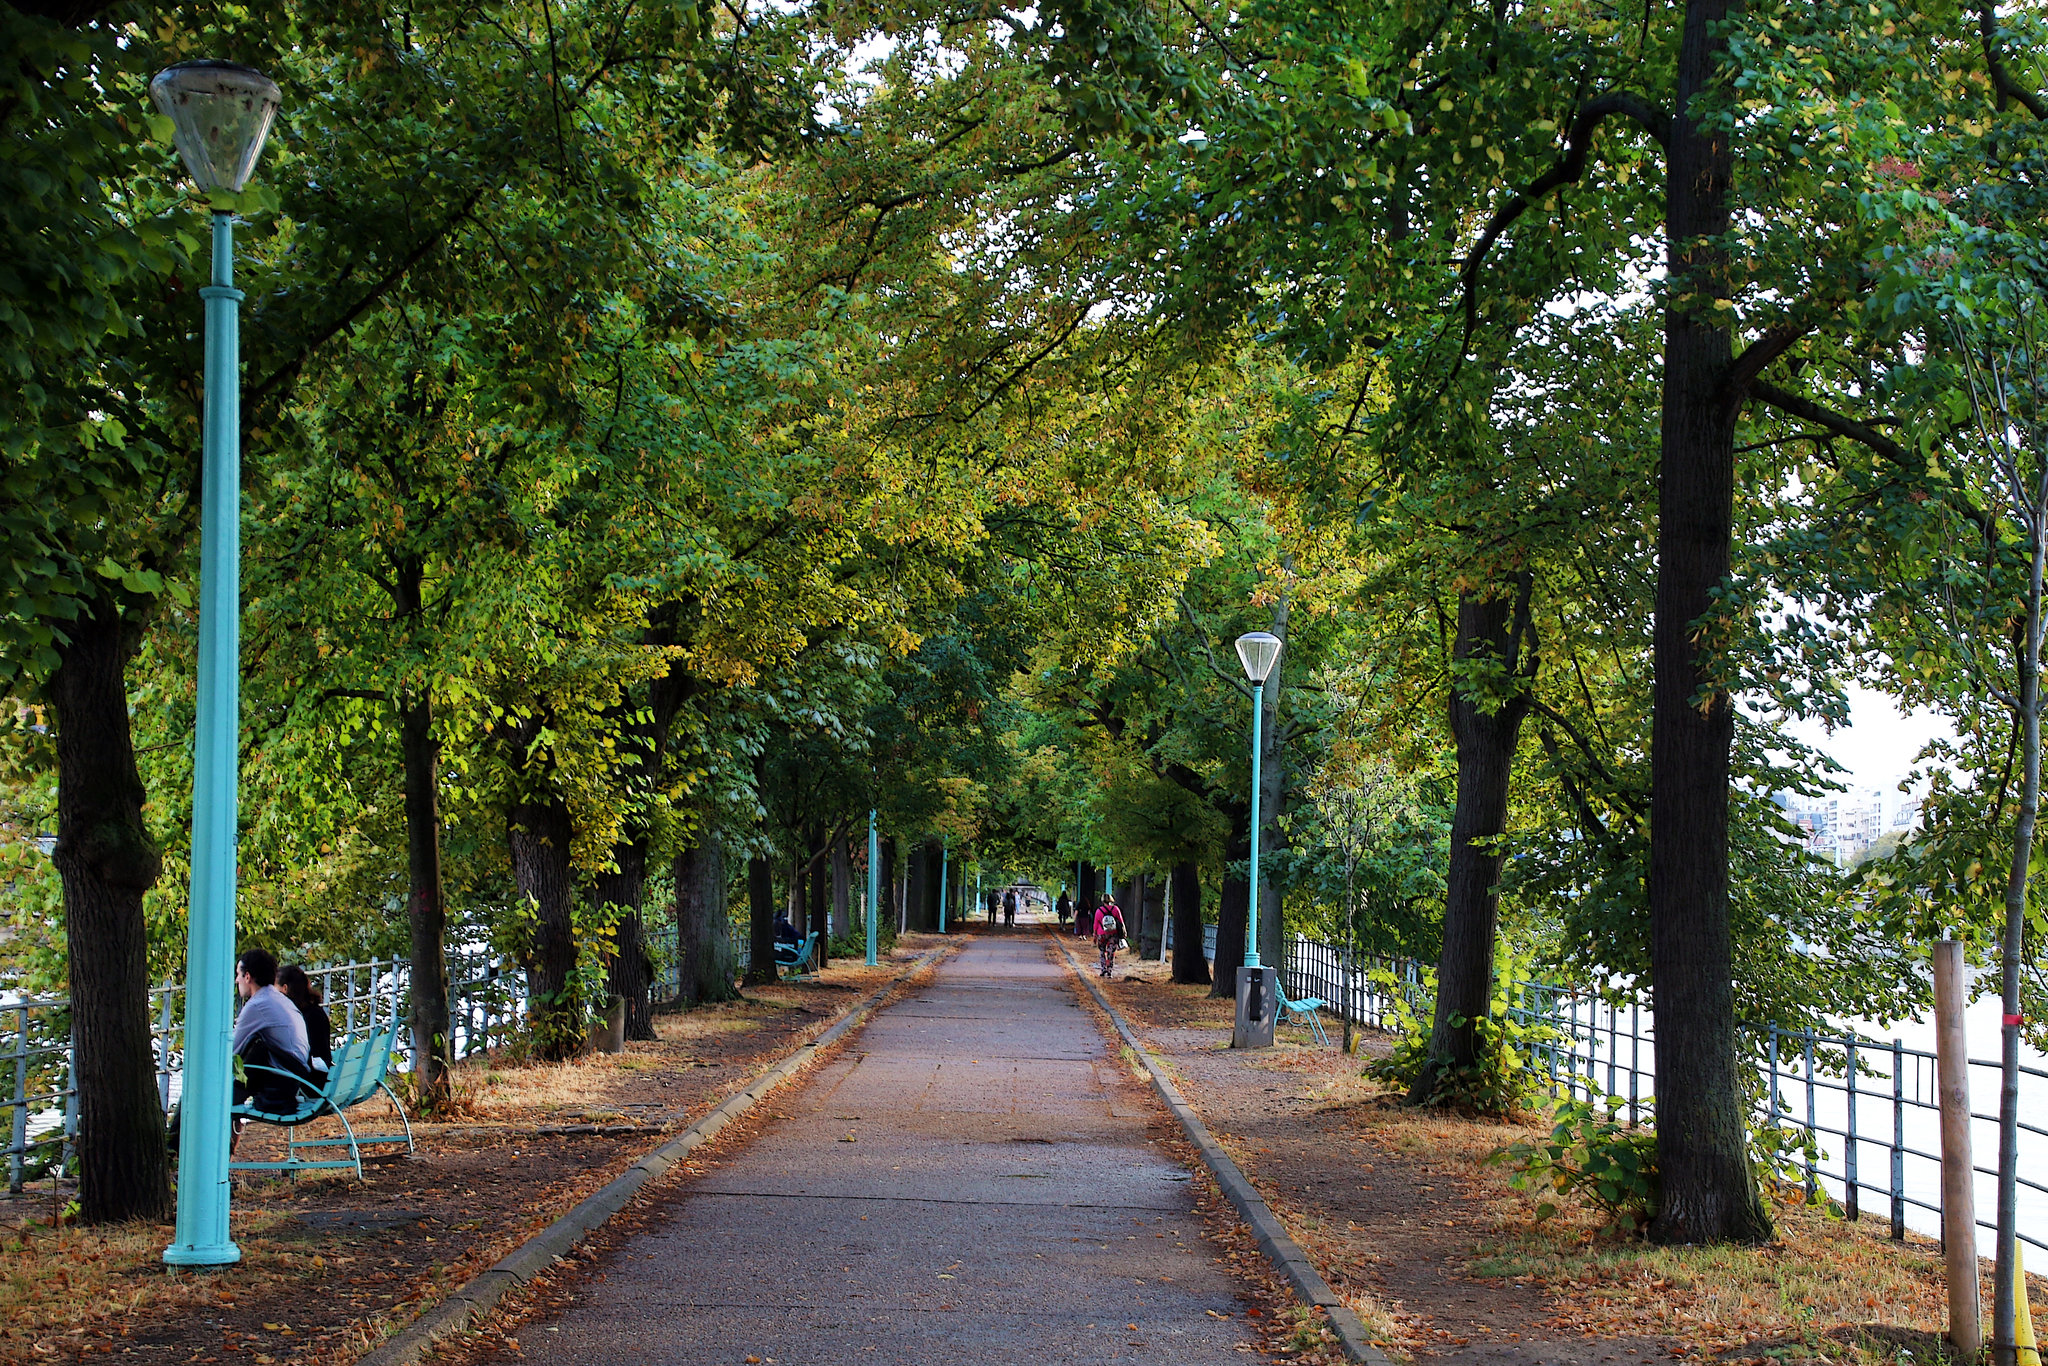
[
  {"x": 1772, "y": 1054},
  {"x": 70, "y": 1108},
  {"x": 1958, "y": 1181},
  {"x": 1852, "y": 1204},
  {"x": 1635, "y": 1057},
  {"x": 1613, "y": 1044},
  {"x": 1898, "y": 1141},
  {"x": 20, "y": 1144},
  {"x": 1812, "y": 1133}
]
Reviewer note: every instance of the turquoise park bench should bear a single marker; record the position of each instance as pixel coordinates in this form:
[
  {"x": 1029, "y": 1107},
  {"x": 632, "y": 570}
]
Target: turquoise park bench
[
  {"x": 797, "y": 956},
  {"x": 1300, "y": 1012},
  {"x": 357, "y": 1075}
]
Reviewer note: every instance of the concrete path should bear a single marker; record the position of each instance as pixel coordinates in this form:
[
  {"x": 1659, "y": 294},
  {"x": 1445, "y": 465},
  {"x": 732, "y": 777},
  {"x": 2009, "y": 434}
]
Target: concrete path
[{"x": 1001, "y": 1201}]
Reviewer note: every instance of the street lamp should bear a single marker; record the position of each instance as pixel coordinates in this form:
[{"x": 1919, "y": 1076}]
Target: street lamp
[
  {"x": 874, "y": 882},
  {"x": 220, "y": 114},
  {"x": 944, "y": 851},
  {"x": 1257, "y": 651}
]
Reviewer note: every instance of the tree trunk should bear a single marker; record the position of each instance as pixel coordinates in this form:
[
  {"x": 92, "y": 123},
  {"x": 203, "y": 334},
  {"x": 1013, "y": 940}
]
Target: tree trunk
[
  {"x": 631, "y": 974},
  {"x": 703, "y": 927},
  {"x": 1134, "y": 913},
  {"x": 426, "y": 912},
  {"x": 1232, "y": 903},
  {"x": 539, "y": 841},
  {"x": 818, "y": 921},
  {"x": 107, "y": 862},
  {"x": 918, "y": 878},
  {"x": 887, "y": 884},
  {"x": 1190, "y": 964},
  {"x": 1708, "y": 1191},
  {"x": 760, "y": 922},
  {"x": 936, "y": 882},
  {"x": 1086, "y": 899},
  {"x": 1492, "y": 628},
  {"x": 842, "y": 890}
]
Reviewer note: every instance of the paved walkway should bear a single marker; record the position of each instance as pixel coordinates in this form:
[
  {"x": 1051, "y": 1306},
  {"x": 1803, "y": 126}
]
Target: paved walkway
[{"x": 1000, "y": 1202}]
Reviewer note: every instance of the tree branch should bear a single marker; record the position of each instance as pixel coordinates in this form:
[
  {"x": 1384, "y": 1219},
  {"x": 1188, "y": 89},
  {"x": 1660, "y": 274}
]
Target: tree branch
[
  {"x": 1758, "y": 355},
  {"x": 2001, "y": 78},
  {"x": 1840, "y": 424},
  {"x": 1578, "y": 145}
]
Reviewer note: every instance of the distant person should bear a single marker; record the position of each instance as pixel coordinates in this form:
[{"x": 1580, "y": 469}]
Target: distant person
[
  {"x": 294, "y": 983},
  {"x": 1064, "y": 909},
  {"x": 1010, "y": 910},
  {"x": 785, "y": 933},
  {"x": 995, "y": 905},
  {"x": 1109, "y": 935}
]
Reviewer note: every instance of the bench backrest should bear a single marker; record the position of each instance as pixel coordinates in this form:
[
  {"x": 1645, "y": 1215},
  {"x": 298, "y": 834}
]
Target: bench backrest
[{"x": 358, "y": 1068}]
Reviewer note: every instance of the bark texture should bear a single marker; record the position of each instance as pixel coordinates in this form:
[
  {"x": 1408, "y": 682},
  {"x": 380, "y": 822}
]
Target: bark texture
[
  {"x": 1708, "y": 1191},
  {"x": 630, "y": 975},
  {"x": 760, "y": 922},
  {"x": 1190, "y": 964},
  {"x": 539, "y": 842},
  {"x": 842, "y": 889},
  {"x": 703, "y": 928},
  {"x": 426, "y": 910},
  {"x": 1232, "y": 902},
  {"x": 107, "y": 860},
  {"x": 817, "y": 920},
  {"x": 1485, "y": 730}
]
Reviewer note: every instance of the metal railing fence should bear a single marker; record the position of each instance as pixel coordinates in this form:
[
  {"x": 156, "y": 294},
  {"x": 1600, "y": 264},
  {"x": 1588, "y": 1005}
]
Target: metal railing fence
[
  {"x": 486, "y": 1005},
  {"x": 1855, "y": 1097}
]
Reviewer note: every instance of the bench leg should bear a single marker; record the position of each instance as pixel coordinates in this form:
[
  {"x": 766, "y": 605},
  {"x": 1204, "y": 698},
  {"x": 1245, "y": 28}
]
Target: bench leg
[
  {"x": 355, "y": 1152},
  {"x": 399, "y": 1106}
]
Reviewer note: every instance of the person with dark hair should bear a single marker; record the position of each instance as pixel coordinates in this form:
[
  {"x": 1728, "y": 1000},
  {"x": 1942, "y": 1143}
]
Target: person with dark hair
[
  {"x": 1065, "y": 909},
  {"x": 269, "y": 1032},
  {"x": 298, "y": 988}
]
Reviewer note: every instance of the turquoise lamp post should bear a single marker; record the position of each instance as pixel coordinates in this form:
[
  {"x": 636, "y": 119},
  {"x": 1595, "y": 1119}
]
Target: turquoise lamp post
[
  {"x": 220, "y": 114},
  {"x": 874, "y": 883},
  {"x": 944, "y": 853},
  {"x": 1258, "y": 652}
]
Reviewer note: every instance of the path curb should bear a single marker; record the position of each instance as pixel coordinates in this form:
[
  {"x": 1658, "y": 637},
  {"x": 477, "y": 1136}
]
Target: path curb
[
  {"x": 478, "y": 1296},
  {"x": 1274, "y": 1240}
]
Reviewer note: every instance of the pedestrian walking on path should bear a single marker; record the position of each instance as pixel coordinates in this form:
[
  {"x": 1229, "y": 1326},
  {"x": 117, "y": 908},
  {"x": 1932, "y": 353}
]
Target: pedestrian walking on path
[
  {"x": 1109, "y": 935},
  {"x": 971, "y": 1183}
]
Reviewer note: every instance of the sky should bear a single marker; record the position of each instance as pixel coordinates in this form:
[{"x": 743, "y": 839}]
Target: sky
[{"x": 1878, "y": 745}]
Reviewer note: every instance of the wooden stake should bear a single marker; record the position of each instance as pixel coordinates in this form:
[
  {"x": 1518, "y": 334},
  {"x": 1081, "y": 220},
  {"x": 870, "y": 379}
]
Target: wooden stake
[{"x": 1958, "y": 1182}]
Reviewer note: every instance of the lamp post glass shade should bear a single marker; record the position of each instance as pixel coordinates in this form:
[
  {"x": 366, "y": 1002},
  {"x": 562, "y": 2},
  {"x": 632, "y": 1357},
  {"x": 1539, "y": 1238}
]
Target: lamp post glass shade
[
  {"x": 1257, "y": 651},
  {"x": 220, "y": 114}
]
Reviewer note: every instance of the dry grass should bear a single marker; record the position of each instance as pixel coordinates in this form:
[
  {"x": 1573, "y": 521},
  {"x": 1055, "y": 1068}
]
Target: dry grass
[{"x": 1826, "y": 1291}]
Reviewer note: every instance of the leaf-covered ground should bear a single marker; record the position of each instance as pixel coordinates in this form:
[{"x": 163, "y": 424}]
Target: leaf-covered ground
[
  {"x": 1450, "y": 1265},
  {"x": 330, "y": 1266}
]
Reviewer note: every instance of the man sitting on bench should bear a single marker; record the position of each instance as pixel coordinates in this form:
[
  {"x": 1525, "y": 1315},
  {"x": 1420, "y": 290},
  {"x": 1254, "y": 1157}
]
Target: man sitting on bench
[{"x": 270, "y": 1031}]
